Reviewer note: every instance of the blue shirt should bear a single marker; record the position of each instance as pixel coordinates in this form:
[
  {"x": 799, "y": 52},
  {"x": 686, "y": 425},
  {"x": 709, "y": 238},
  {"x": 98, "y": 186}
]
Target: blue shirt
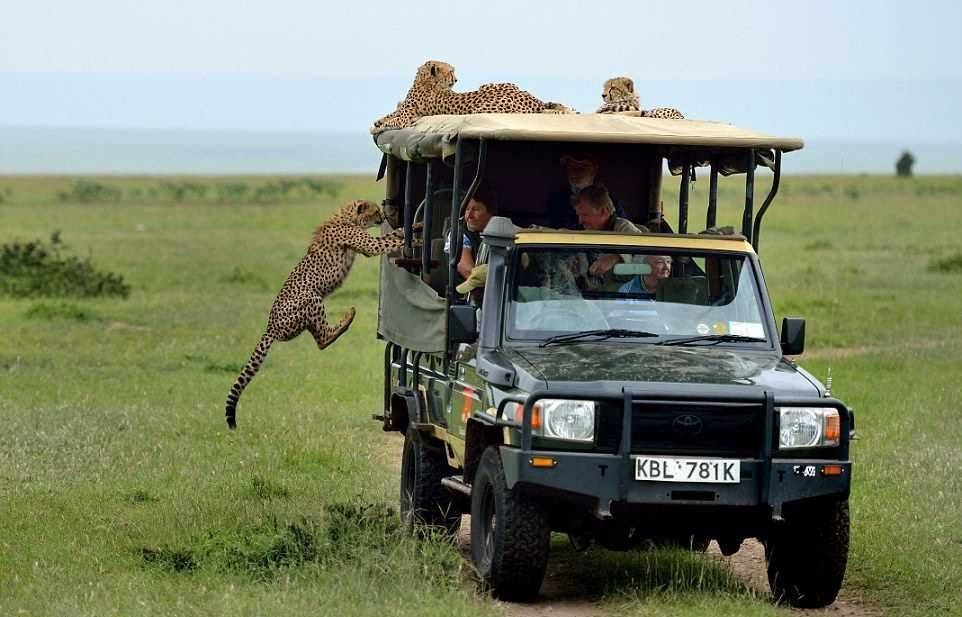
[{"x": 635, "y": 287}]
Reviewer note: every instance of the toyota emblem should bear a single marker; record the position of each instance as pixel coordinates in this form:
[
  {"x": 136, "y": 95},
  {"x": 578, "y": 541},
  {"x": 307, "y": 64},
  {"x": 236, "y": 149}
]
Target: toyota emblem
[{"x": 687, "y": 425}]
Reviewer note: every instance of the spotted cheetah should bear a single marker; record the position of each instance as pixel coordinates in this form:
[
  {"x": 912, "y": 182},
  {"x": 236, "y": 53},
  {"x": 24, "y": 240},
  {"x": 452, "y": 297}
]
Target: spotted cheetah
[
  {"x": 619, "y": 96},
  {"x": 300, "y": 304},
  {"x": 432, "y": 94},
  {"x": 618, "y": 93}
]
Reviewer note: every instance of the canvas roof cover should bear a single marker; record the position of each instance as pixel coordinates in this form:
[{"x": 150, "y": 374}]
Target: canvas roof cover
[{"x": 434, "y": 136}]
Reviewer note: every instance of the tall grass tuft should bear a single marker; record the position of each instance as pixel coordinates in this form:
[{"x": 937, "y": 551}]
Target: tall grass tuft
[
  {"x": 262, "y": 488},
  {"x": 169, "y": 559},
  {"x": 363, "y": 536},
  {"x": 62, "y": 310}
]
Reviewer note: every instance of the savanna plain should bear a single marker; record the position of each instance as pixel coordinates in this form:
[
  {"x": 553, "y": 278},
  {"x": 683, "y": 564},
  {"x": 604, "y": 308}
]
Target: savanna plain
[{"x": 122, "y": 491}]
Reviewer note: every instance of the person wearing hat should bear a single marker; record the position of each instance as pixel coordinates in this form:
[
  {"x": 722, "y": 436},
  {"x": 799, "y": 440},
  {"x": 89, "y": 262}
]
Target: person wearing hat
[{"x": 580, "y": 173}]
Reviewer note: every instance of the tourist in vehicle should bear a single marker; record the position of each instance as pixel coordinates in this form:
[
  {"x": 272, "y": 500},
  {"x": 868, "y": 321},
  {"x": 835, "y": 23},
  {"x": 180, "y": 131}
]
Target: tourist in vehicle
[
  {"x": 646, "y": 285},
  {"x": 596, "y": 212},
  {"x": 481, "y": 207},
  {"x": 580, "y": 173}
]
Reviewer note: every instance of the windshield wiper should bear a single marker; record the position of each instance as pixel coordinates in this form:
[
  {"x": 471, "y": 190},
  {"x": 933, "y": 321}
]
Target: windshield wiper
[
  {"x": 714, "y": 339},
  {"x": 602, "y": 334}
]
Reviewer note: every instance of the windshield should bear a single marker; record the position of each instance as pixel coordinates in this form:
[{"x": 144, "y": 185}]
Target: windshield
[{"x": 564, "y": 294}]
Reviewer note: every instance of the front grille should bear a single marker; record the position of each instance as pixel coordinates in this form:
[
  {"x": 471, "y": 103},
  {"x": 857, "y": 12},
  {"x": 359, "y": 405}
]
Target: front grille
[{"x": 683, "y": 428}]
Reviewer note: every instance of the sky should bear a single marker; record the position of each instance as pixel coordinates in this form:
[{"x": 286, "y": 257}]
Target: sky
[{"x": 814, "y": 69}]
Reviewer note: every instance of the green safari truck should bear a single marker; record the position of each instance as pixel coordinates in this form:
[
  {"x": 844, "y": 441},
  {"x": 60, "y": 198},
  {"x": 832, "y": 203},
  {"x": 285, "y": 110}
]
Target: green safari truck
[{"x": 603, "y": 409}]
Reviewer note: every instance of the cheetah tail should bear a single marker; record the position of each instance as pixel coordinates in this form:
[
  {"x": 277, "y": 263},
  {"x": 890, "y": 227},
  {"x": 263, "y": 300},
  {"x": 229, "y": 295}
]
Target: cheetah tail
[{"x": 250, "y": 369}]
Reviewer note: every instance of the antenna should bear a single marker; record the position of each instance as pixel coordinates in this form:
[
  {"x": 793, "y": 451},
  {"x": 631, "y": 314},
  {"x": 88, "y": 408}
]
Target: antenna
[{"x": 828, "y": 383}]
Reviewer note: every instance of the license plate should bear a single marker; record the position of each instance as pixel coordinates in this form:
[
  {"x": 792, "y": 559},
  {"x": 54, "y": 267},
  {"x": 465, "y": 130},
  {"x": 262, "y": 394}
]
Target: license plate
[{"x": 670, "y": 469}]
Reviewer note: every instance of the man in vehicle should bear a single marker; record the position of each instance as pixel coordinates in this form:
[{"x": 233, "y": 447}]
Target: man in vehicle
[{"x": 596, "y": 212}]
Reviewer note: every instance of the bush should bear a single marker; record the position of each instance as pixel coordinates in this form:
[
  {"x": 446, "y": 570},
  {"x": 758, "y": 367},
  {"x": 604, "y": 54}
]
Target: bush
[
  {"x": 90, "y": 191},
  {"x": 952, "y": 263},
  {"x": 37, "y": 269}
]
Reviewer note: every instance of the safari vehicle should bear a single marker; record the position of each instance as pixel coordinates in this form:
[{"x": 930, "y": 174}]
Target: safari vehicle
[{"x": 596, "y": 411}]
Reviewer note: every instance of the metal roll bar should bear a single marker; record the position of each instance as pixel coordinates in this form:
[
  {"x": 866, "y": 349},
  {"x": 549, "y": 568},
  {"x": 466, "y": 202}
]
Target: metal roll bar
[{"x": 768, "y": 200}]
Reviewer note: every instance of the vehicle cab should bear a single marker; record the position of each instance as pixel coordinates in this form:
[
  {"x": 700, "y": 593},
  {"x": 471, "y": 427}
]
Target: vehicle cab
[{"x": 655, "y": 403}]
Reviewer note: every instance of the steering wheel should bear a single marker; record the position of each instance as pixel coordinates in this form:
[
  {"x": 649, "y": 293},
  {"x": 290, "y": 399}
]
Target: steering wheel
[{"x": 560, "y": 319}]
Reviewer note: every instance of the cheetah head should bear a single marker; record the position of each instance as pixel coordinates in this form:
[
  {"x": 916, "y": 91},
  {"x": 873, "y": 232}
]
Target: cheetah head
[
  {"x": 618, "y": 89},
  {"x": 362, "y": 213},
  {"x": 436, "y": 75}
]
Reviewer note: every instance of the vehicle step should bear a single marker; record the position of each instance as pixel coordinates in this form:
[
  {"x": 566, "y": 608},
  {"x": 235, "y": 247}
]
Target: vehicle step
[{"x": 456, "y": 483}]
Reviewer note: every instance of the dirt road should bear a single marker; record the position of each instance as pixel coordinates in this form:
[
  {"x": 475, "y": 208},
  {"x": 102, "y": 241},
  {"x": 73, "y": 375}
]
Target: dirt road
[
  {"x": 749, "y": 564},
  {"x": 564, "y": 593}
]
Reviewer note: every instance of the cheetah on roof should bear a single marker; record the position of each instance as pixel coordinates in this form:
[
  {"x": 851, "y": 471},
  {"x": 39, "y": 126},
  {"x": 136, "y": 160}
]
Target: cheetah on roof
[
  {"x": 619, "y": 96},
  {"x": 432, "y": 95}
]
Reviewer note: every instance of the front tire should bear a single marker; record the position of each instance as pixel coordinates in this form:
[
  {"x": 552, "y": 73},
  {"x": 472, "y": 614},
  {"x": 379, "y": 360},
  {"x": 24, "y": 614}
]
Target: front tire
[
  {"x": 426, "y": 505},
  {"x": 808, "y": 552},
  {"x": 510, "y": 536}
]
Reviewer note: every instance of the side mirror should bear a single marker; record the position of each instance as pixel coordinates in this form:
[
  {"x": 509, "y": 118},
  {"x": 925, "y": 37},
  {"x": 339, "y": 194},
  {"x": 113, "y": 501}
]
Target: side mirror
[
  {"x": 462, "y": 324},
  {"x": 793, "y": 336}
]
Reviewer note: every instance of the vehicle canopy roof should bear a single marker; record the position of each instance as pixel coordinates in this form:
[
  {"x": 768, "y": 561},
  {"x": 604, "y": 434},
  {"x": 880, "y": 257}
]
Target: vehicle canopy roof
[{"x": 436, "y": 136}]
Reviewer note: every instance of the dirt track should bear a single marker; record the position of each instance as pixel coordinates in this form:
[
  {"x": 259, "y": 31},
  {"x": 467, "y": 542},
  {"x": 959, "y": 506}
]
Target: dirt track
[
  {"x": 749, "y": 564},
  {"x": 562, "y": 596}
]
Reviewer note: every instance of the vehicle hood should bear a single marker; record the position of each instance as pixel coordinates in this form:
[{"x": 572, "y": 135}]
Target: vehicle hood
[{"x": 626, "y": 362}]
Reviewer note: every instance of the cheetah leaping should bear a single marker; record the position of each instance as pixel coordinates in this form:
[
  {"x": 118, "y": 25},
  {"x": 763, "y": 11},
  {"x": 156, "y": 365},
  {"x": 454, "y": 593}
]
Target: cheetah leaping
[{"x": 300, "y": 304}]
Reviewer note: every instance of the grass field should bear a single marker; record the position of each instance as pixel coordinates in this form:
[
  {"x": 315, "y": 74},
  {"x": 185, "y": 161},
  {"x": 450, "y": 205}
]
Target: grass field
[{"x": 122, "y": 492}]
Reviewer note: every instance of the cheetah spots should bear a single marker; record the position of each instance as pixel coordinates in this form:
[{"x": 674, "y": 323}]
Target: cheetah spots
[
  {"x": 432, "y": 94},
  {"x": 300, "y": 304}
]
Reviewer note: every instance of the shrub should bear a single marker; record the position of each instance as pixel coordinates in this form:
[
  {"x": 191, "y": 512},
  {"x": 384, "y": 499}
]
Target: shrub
[
  {"x": 90, "y": 191},
  {"x": 37, "y": 269},
  {"x": 852, "y": 192},
  {"x": 952, "y": 263}
]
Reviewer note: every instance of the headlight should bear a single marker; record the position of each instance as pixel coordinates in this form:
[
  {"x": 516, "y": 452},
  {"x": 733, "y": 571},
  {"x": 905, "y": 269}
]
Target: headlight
[
  {"x": 558, "y": 418},
  {"x": 573, "y": 420},
  {"x": 808, "y": 427}
]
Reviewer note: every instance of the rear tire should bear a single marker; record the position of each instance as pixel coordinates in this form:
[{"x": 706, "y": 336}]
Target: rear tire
[
  {"x": 426, "y": 505},
  {"x": 808, "y": 552},
  {"x": 510, "y": 536}
]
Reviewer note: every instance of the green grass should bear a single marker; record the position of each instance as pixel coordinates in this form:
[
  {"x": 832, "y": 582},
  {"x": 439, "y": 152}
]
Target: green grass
[{"x": 121, "y": 489}]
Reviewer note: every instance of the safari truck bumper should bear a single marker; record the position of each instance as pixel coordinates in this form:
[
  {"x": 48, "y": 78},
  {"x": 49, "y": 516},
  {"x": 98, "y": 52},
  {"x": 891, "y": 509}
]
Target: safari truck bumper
[{"x": 654, "y": 465}]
